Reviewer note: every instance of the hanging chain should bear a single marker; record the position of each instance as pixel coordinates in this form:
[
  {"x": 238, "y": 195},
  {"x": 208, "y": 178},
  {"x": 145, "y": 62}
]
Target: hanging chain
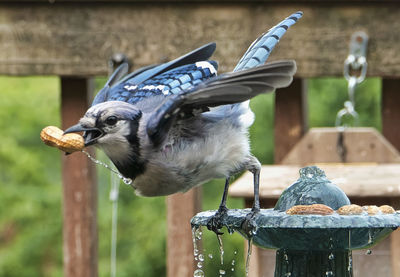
[{"x": 354, "y": 71}]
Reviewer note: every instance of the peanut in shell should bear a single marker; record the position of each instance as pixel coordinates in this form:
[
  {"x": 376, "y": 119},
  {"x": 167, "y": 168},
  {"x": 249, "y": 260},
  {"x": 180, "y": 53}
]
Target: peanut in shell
[
  {"x": 350, "y": 210},
  {"x": 317, "y": 209},
  {"x": 54, "y": 136}
]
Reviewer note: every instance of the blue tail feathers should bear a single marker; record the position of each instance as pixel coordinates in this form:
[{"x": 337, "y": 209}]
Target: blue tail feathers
[{"x": 260, "y": 49}]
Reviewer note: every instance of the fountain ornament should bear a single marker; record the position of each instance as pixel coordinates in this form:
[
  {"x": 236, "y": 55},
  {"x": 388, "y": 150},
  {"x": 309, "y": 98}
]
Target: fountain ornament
[{"x": 318, "y": 244}]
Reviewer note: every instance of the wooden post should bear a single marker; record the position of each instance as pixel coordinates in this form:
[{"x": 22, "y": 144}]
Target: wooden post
[
  {"x": 391, "y": 130},
  {"x": 180, "y": 209},
  {"x": 79, "y": 189},
  {"x": 290, "y": 117}
]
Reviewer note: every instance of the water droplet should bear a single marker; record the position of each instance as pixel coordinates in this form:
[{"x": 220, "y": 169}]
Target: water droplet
[
  {"x": 210, "y": 256},
  {"x": 233, "y": 262},
  {"x": 331, "y": 256},
  {"x": 350, "y": 266},
  {"x": 285, "y": 256},
  {"x": 198, "y": 273},
  {"x": 222, "y": 272},
  {"x": 288, "y": 274},
  {"x": 235, "y": 252},
  {"x": 201, "y": 257},
  {"x": 199, "y": 264},
  {"x": 198, "y": 233},
  {"x": 232, "y": 269},
  {"x": 329, "y": 274},
  {"x": 368, "y": 252},
  {"x": 369, "y": 237},
  {"x": 127, "y": 181},
  {"x": 196, "y": 252},
  {"x": 330, "y": 243}
]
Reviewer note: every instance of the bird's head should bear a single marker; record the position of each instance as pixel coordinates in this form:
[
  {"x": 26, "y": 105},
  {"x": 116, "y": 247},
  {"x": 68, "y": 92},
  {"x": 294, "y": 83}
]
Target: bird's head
[{"x": 113, "y": 126}]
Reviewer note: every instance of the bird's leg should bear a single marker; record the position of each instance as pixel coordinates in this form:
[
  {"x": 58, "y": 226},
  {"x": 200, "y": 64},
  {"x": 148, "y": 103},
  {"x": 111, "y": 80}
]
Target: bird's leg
[
  {"x": 256, "y": 204},
  {"x": 249, "y": 224},
  {"x": 215, "y": 222}
]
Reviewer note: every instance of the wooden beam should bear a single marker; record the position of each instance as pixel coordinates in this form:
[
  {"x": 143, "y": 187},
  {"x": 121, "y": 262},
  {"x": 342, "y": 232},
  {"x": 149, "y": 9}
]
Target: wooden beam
[
  {"x": 390, "y": 129},
  {"x": 290, "y": 117},
  {"x": 391, "y": 111},
  {"x": 78, "y": 38},
  {"x": 79, "y": 189},
  {"x": 180, "y": 209}
]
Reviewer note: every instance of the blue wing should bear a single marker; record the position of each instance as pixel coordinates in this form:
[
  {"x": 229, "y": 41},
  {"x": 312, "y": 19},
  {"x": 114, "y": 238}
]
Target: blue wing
[
  {"x": 141, "y": 76},
  {"x": 260, "y": 49},
  {"x": 230, "y": 88},
  {"x": 171, "y": 82}
]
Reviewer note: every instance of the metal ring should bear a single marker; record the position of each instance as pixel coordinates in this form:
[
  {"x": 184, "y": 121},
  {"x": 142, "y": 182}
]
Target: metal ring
[{"x": 361, "y": 63}]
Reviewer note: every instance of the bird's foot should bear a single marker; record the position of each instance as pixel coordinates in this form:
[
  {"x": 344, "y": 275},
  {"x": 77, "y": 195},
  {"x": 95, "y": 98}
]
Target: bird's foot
[
  {"x": 249, "y": 225},
  {"x": 215, "y": 222}
]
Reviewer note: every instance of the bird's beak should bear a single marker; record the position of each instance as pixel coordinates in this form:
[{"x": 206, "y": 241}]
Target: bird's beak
[{"x": 90, "y": 135}]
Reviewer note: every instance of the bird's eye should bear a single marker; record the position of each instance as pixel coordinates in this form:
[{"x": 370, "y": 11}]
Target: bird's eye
[{"x": 111, "y": 120}]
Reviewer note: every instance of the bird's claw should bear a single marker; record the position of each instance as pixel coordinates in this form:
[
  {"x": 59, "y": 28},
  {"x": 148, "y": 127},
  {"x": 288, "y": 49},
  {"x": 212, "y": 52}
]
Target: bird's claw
[
  {"x": 249, "y": 225},
  {"x": 215, "y": 222}
]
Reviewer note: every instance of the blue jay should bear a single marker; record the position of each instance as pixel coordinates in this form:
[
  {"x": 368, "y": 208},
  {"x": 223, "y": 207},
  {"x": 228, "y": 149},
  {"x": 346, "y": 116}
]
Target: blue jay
[{"x": 176, "y": 125}]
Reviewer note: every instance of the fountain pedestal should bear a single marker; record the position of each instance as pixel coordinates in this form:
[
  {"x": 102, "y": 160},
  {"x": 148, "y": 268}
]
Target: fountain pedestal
[
  {"x": 310, "y": 245},
  {"x": 313, "y": 263}
]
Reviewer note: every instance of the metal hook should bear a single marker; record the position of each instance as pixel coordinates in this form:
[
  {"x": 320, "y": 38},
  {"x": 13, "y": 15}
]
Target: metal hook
[
  {"x": 357, "y": 61},
  {"x": 348, "y": 110}
]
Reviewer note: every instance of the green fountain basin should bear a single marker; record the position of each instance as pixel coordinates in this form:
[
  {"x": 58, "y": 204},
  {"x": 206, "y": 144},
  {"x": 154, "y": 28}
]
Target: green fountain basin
[{"x": 277, "y": 230}]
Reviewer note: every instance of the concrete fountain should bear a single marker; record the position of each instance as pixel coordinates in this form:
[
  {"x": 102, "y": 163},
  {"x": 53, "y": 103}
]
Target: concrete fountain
[{"x": 314, "y": 243}]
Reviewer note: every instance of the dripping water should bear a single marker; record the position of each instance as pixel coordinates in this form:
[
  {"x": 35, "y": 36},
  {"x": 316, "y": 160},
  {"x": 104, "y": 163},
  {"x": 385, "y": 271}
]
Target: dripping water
[
  {"x": 198, "y": 256},
  {"x": 369, "y": 237},
  {"x": 350, "y": 266},
  {"x": 286, "y": 258},
  {"x": 127, "y": 181},
  {"x": 114, "y": 199},
  {"x": 331, "y": 258},
  {"x": 249, "y": 249},
  {"x": 221, "y": 248}
]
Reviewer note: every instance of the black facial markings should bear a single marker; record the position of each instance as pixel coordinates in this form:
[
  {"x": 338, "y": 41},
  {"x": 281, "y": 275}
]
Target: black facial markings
[{"x": 135, "y": 165}]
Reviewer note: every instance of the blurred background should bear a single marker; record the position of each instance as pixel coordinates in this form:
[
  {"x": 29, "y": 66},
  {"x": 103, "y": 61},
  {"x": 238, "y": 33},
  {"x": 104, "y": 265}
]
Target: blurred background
[{"x": 43, "y": 43}]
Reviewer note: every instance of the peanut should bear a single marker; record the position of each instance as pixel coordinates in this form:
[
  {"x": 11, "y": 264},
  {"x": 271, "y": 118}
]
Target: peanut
[
  {"x": 350, "y": 210},
  {"x": 386, "y": 209},
  {"x": 372, "y": 209},
  {"x": 318, "y": 209},
  {"x": 53, "y": 136}
]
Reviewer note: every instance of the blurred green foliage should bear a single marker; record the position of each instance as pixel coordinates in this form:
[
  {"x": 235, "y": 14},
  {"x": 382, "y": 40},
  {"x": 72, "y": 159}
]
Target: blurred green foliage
[{"x": 30, "y": 184}]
